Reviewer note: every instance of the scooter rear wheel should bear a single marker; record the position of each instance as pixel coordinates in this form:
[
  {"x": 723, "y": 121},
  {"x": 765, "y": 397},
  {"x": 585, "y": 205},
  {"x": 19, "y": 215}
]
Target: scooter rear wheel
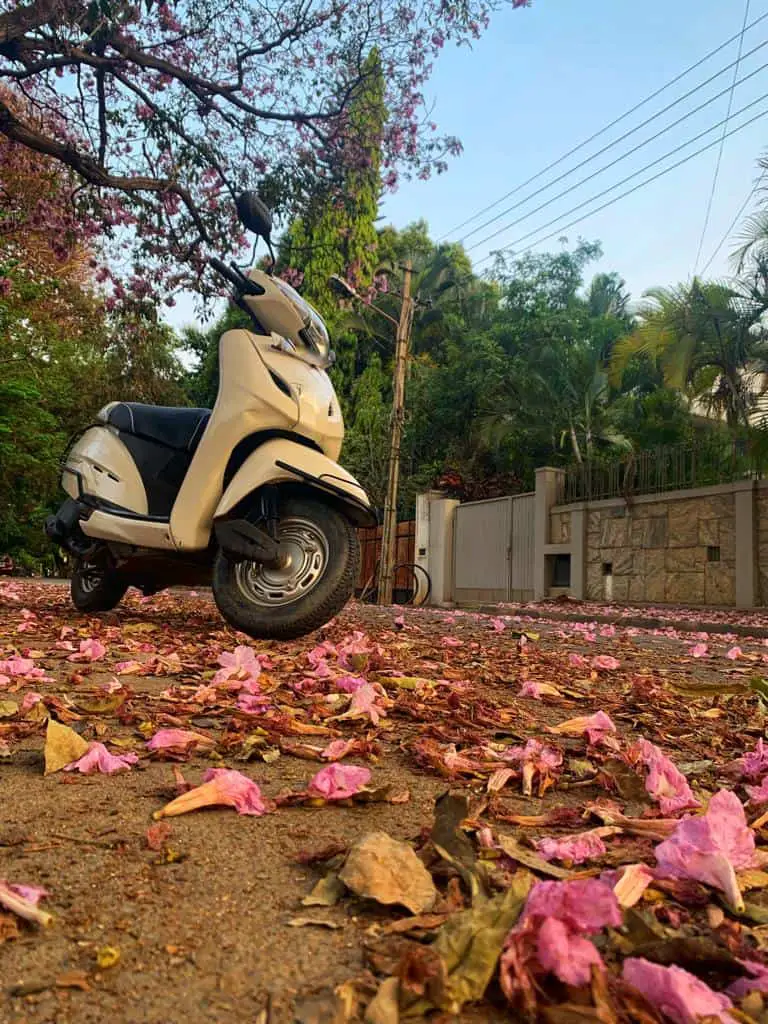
[
  {"x": 95, "y": 588},
  {"x": 321, "y": 557}
]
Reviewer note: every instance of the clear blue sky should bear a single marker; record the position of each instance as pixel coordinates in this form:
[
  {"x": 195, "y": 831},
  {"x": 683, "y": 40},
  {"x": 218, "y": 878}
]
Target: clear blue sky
[{"x": 544, "y": 79}]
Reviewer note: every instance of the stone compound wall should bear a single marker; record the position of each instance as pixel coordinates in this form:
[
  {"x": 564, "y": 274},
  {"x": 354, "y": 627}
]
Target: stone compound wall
[{"x": 678, "y": 550}]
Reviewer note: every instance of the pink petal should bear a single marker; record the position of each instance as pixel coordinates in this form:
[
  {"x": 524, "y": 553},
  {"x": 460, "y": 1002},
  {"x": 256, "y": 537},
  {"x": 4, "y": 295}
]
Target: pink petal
[
  {"x": 604, "y": 662},
  {"x": 678, "y": 995},
  {"x": 99, "y": 759},
  {"x": 530, "y": 689},
  {"x": 574, "y": 849},
  {"x": 757, "y": 794},
  {"x": 30, "y": 699},
  {"x": 339, "y": 781},
  {"x": 734, "y": 654},
  {"x": 337, "y": 749},
  {"x": 755, "y": 764},
  {"x": 756, "y": 981},
  {"x": 595, "y": 727},
  {"x": 252, "y": 704},
  {"x": 586, "y": 905},
  {"x": 499, "y": 625},
  {"x": 566, "y": 954},
  {"x": 699, "y": 651},
  {"x": 577, "y": 661},
  {"x": 712, "y": 847},
  {"x": 452, "y": 641},
  {"x": 31, "y": 893},
  {"x": 630, "y": 883},
  {"x": 92, "y": 649},
  {"x": 132, "y": 668},
  {"x": 349, "y": 684},
  {"x": 665, "y": 782},
  {"x": 237, "y": 790},
  {"x": 178, "y": 741}
]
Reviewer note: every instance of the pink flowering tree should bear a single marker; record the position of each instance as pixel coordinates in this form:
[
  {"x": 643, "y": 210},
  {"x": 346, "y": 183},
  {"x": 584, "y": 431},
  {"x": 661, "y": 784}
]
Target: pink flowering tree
[{"x": 163, "y": 111}]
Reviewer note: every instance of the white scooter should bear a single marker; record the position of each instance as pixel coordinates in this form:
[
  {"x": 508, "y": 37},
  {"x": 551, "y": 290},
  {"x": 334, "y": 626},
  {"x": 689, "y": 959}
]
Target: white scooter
[{"x": 248, "y": 496}]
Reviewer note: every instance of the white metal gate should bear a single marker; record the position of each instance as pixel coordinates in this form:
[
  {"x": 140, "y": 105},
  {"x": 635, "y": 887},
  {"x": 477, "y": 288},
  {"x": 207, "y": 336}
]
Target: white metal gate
[{"x": 493, "y": 550}]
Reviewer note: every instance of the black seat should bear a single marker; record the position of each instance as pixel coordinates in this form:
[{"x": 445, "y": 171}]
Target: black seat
[{"x": 177, "y": 428}]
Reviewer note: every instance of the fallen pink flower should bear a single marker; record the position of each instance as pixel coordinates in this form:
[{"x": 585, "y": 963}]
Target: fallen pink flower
[
  {"x": 665, "y": 782},
  {"x": 734, "y": 653},
  {"x": 242, "y": 663},
  {"x": 220, "y": 787},
  {"x": 675, "y": 993},
  {"x": 30, "y": 699},
  {"x": 349, "y": 684},
  {"x": 12, "y": 898},
  {"x": 596, "y": 727},
  {"x": 577, "y": 661},
  {"x": 699, "y": 651},
  {"x": 551, "y": 932},
  {"x": 364, "y": 704},
  {"x": 320, "y": 653},
  {"x": 605, "y": 663},
  {"x": 339, "y": 781},
  {"x": 536, "y": 760},
  {"x": 178, "y": 741},
  {"x": 354, "y": 652},
  {"x": 132, "y": 668},
  {"x": 111, "y": 686},
  {"x": 756, "y": 981},
  {"x": 538, "y": 690},
  {"x": 31, "y": 893},
  {"x": 499, "y": 625},
  {"x": 252, "y": 704},
  {"x": 754, "y": 764},
  {"x": 759, "y": 794},
  {"x": 712, "y": 847},
  {"x": 337, "y": 749},
  {"x": 99, "y": 759},
  {"x": 574, "y": 849},
  {"x": 607, "y": 631},
  {"x": 452, "y": 641},
  {"x": 17, "y": 666},
  {"x": 90, "y": 650},
  {"x": 400, "y": 622}
]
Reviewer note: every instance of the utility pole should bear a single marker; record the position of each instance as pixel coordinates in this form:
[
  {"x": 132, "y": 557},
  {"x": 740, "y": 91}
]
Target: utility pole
[{"x": 389, "y": 531}]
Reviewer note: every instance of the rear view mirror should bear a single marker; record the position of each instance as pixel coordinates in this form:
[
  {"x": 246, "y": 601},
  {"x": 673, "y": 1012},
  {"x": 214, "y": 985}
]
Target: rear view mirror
[{"x": 254, "y": 214}]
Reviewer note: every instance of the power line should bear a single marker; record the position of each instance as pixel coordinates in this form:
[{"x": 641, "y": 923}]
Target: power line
[
  {"x": 623, "y": 195},
  {"x": 632, "y": 131},
  {"x": 722, "y": 142},
  {"x": 612, "y": 163},
  {"x": 623, "y": 181},
  {"x": 612, "y": 124},
  {"x": 733, "y": 224}
]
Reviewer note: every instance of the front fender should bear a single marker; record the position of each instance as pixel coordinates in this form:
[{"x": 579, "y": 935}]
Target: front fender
[{"x": 283, "y": 461}]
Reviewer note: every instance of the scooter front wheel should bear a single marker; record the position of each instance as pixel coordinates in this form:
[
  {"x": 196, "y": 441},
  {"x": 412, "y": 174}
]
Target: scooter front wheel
[
  {"x": 95, "y": 587},
  {"x": 315, "y": 579}
]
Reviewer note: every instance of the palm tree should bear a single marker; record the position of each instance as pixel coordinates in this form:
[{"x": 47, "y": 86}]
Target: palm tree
[
  {"x": 707, "y": 340},
  {"x": 608, "y": 296}
]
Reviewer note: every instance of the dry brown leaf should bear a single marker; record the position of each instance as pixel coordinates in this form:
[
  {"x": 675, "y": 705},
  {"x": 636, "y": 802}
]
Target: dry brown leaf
[
  {"x": 326, "y": 893},
  {"x": 62, "y": 746},
  {"x": 381, "y": 868}
]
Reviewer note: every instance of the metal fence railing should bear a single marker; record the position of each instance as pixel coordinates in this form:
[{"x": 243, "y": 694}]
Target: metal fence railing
[{"x": 666, "y": 468}]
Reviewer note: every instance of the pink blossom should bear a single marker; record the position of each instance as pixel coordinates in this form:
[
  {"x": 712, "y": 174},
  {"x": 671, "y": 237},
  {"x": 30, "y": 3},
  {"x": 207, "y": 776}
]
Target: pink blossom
[
  {"x": 339, "y": 781},
  {"x": 252, "y": 703},
  {"x": 665, "y": 782},
  {"x": 99, "y": 759},
  {"x": 499, "y": 625},
  {"x": 349, "y": 684},
  {"x": 573, "y": 849},
  {"x": 30, "y": 699},
  {"x": 132, "y": 668},
  {"x": 31, "y": 893},
  {"x": 337, "y": 749},
  {"x": 699, "y": 651},
  {"x": 759, "y": 794},
  {"x": 17, "y": 666},
  {"x": 242, "y": 663},
  {"x": 13, "y": 898},
  {"x": 552, "y": 927},
  {"x": 756, "y": 981},
  {"x": 754, "y": 764},
  {"x": 605, "y": 663},
  {"x": 712, "y": 847},
  {"x": 354, "y": 652},
  {"x": 536, "y": 761},
  {"x": 364, "y": 704},
  {"x": 607, "y": 631},
  {"x": 596, "y": 727},
  {"x": 734, "y": 653},
  {"x": 628, "y": 883},
  {"x": 222, "y": 786},
  {"x": 178, "y": 741},
  {"x": 566, "y": 954},
  {"x": 577, "y": 661},
  {"x": 452, "y": 641},
  {"x": 90, "y": 650},
  {"x": 320, "y": 653},
  {"x": 679, "y": 996}
]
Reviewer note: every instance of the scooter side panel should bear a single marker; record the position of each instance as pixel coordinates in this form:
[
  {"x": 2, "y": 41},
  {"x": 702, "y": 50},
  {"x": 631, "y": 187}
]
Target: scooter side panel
[
  {"x": 106, "y": 470},
  {"x": 262, "y": 467},
  {"x": 139, "y": 533}
]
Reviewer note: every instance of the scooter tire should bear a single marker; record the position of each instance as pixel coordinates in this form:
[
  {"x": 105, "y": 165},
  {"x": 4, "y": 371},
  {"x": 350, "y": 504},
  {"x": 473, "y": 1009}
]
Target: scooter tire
[
  {"x": 310, "y": 610},
  {"x": 101, "y": 597}
]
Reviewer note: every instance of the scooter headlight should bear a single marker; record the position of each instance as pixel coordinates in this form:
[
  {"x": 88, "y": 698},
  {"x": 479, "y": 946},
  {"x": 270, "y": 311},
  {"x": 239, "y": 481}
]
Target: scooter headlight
[{"x": 315, "y": 337}]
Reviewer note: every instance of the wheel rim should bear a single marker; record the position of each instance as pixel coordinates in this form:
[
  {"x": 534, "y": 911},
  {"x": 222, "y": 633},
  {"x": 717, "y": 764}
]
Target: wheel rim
[
  {"x": 304, "y": 559},
  {"x": 91, "y": 578}
]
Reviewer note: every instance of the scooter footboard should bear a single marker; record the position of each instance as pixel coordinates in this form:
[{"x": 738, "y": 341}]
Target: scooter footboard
[{"x": 283, "y": 461}]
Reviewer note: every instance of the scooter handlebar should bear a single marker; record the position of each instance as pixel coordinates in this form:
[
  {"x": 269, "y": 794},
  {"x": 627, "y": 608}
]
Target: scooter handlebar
[{"x": 233, "y": 275}]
